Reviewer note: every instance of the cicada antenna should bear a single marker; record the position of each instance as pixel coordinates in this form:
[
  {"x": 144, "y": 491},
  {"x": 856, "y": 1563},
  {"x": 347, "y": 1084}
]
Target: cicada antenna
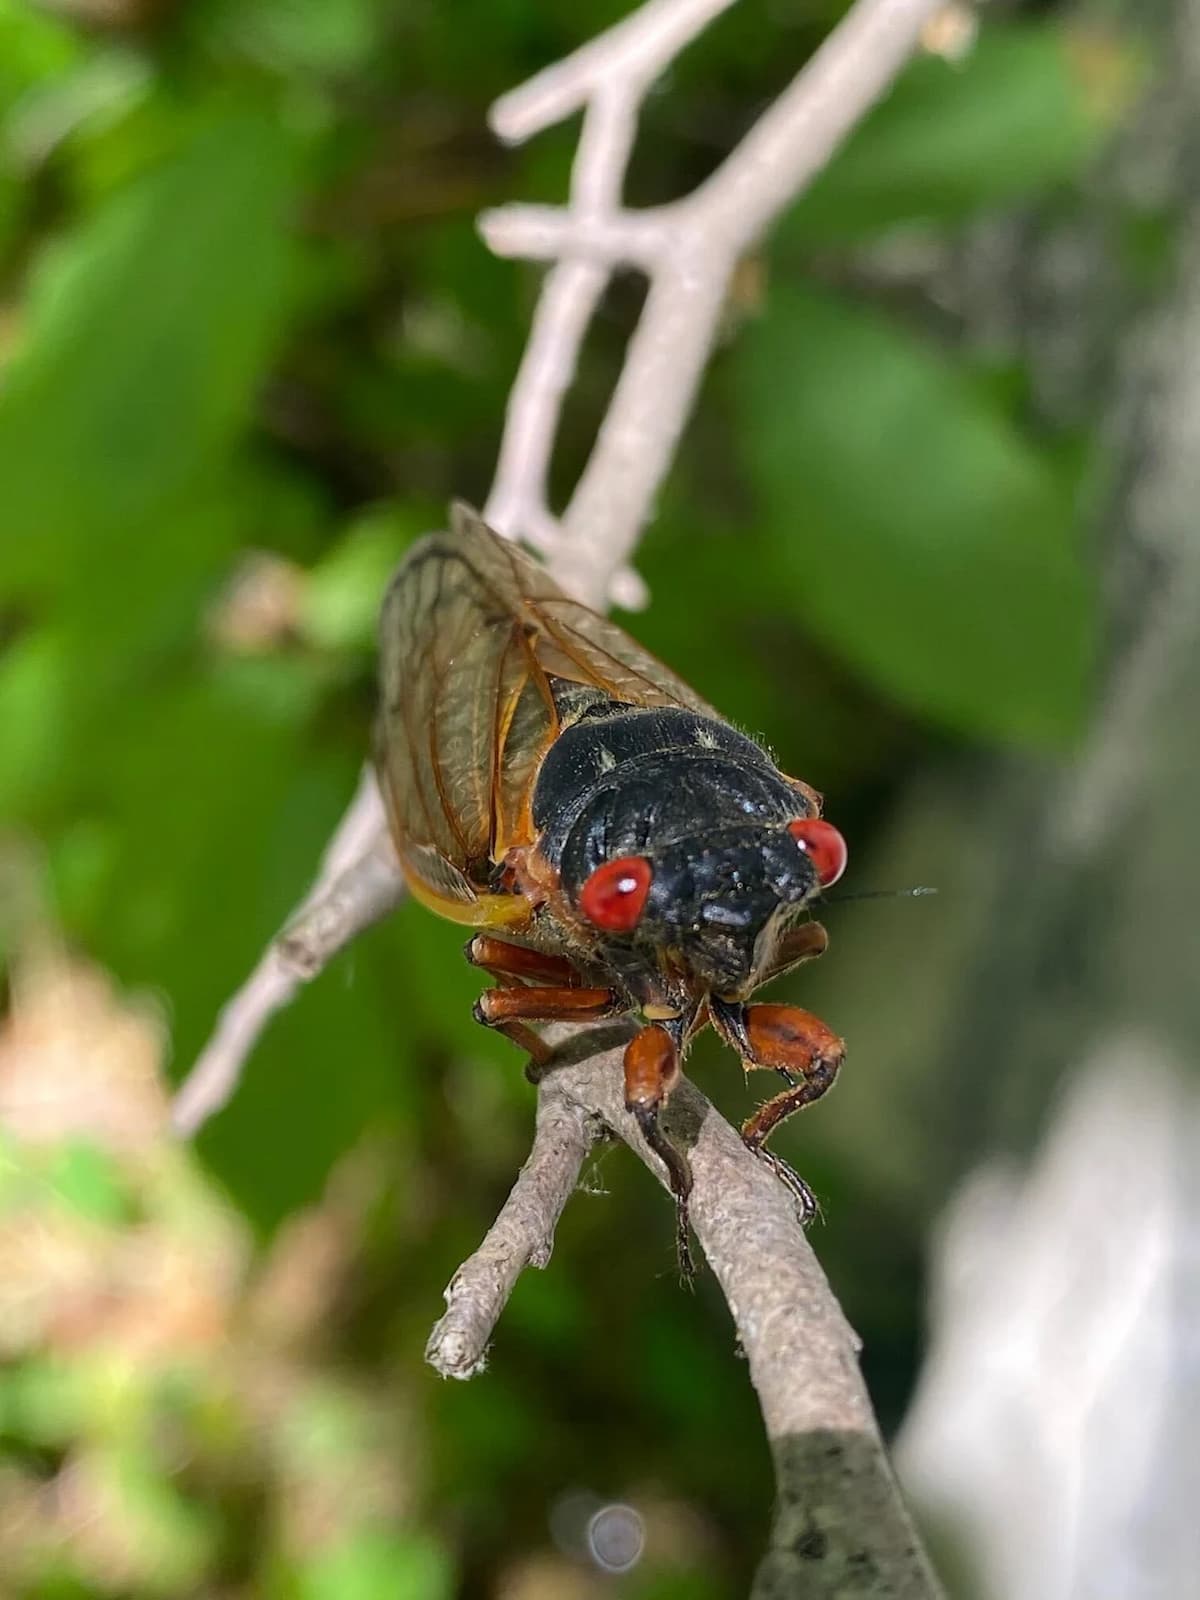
[{"x": 880, "y": 894}]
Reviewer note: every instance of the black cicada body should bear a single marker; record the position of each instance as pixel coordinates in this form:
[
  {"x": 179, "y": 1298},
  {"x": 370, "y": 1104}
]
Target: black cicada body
[{"x": 618, "y": 845}]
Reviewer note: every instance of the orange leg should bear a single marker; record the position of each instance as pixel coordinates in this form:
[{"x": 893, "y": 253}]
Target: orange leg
[
  {"x": 803, "y": 943},
  {"x": 651, "y": 1072},
  {"x": 803, "y": 1049},
  {"x": 798, "y": 1046},
  {"x": 510, "y": 1009},
  {"x": 505, "y": 960}
]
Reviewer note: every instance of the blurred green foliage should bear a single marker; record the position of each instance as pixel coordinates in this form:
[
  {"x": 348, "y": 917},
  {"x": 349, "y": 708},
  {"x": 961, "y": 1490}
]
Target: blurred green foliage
[
  {"x": 905, "y": 586},
  {"x": 251, "y": 346}
]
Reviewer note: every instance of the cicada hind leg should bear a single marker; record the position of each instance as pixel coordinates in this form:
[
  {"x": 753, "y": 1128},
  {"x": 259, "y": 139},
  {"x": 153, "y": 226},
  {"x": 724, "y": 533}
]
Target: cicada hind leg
[{"x": 807, "y": 1055}]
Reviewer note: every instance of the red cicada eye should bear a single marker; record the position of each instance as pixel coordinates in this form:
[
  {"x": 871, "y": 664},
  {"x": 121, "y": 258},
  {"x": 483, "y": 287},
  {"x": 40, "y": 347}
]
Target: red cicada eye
[
  {"x": 823, "y": 845},
  {"x": 614, "y": 896}
]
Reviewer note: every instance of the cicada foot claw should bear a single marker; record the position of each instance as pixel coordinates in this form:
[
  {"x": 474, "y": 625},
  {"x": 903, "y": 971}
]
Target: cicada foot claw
[
  {"x": 679, "y": 1177},
  {"x": 683, "y": 1245},
  {"x": 808, "y": 1208}
]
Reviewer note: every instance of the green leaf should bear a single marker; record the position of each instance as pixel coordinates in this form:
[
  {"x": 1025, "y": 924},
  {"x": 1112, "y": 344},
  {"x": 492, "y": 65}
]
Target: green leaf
[
  {"x": 1027, "y": 109},
  {"x": 340, "y": 604},
  {"x": 91, "y": 1183},
  {"x": 34, "y": 49},
  {"x": 146, "y": 336},
  {"x": 44, "y": 1400},
  {"x": 379, "y": 1566},
  {"x": 311, "y": 36},
  {"x": 224, "y": 810},
  {"x": 102, "y": 89},
  {"x": 930, "y": 544},
  {"x": 34, "y": 695},
  {"x": 37, "y": 53}
]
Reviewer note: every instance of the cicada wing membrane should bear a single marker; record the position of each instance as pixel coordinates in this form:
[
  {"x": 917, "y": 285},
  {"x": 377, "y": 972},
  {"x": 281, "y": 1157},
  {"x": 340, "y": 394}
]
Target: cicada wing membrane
[{"x": 473, "y": 636}]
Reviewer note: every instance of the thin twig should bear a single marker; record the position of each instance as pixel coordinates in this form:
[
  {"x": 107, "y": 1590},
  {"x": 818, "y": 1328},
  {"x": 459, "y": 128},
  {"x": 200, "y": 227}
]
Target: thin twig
[
  {"x": 522, "y": 1235},
  {"x": 359, "y": 882},
  {"x": 633, "y": 52},
  {"x": 700, "y": 241},
  {"x": 841, "y": 1528},
  {"x": 517, "y": 505},
  {"x": 609, "y": 78}
]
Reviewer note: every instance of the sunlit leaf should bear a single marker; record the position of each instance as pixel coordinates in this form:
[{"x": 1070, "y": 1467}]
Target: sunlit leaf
[
  {"x": 35, "y": 49},
  {"x": 379, "y": 1566},
  {"x": 145, "y": 337},
  {"x": 34, "y": 698},
  {"x": 340, "y": 606},
  {"x": 89, "y": 1180}
]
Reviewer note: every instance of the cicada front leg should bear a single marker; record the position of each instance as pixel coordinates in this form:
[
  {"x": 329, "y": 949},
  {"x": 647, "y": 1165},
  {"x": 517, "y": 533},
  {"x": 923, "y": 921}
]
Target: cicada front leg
[
  {"x": 651, "y": 1072},
  {"x": 807, "y": 1055}
]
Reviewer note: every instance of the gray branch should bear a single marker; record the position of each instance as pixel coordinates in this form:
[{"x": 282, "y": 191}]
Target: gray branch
[
  {"x": 359, "y": 882},
  {"x": 521, "y": 1236},
  {"x": 841, "y": 1528},
  {"x": 689, "y": 249}
]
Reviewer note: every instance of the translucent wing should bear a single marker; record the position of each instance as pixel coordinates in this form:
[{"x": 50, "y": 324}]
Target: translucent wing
[{"x": 473, "y": 636}]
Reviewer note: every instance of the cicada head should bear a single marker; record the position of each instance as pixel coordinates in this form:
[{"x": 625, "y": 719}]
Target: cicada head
[{"x": 717, "y": 901}]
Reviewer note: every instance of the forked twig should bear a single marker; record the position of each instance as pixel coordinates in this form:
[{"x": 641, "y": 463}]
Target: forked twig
[
  {"x": 688, "y": 249},
  {"x": 521, "y": 1236},
  {"x": 690, "y": 271},
  {"x": 841, "y": 1528}
]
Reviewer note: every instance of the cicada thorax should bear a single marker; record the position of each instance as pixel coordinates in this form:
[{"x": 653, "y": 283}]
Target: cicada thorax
[{"x": 662, "y": 845}]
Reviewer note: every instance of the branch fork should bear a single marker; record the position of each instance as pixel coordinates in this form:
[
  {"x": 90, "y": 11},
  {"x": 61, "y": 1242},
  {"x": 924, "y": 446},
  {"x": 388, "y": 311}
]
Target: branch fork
[{"x": 841, "y": 1527}]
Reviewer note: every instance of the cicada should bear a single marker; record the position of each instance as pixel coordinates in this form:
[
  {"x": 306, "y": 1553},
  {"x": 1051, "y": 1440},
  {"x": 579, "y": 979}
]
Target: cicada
[{"x": 619, "y": 848}]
